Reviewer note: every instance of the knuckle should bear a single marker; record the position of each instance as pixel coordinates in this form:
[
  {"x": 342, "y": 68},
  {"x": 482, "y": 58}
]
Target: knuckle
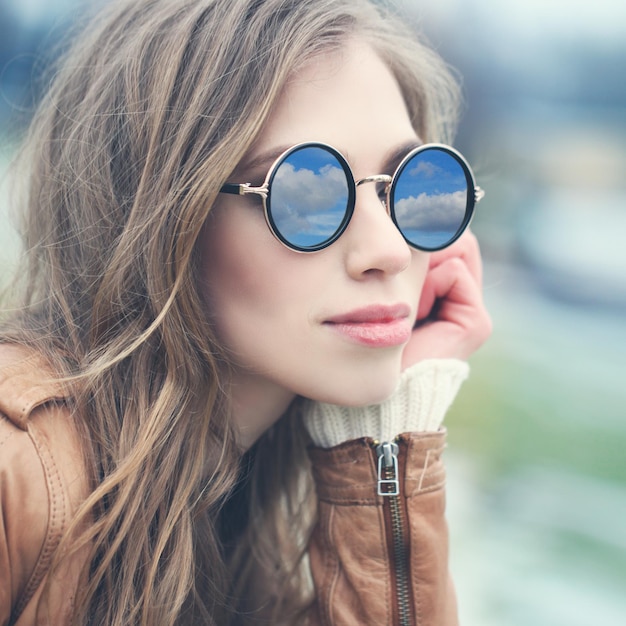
[{"x": 456, "y": 265}]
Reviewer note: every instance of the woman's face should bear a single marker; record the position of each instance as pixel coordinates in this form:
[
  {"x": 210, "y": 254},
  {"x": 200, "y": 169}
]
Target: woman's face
[{"x": 329, "y": 325}]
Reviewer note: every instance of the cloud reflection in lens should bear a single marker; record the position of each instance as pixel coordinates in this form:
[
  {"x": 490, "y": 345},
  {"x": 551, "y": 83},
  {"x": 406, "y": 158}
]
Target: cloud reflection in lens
[
  {"x": 308, "y": 198},
  {"x": 430, "y": 198}
]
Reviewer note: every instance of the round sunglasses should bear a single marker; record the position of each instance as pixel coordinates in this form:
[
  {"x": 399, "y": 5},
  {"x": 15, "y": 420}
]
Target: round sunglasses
[{"x": 309, "y": 196}]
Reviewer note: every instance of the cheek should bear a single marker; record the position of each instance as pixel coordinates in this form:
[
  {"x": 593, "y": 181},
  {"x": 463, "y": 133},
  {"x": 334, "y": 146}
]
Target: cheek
[{"x": 244, "y": 275}]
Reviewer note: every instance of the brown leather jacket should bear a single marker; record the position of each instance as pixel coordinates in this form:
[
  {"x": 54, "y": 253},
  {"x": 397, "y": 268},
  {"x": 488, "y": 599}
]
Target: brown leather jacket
[
  {"x": 379, "y": 560},
  {"x": 42, "y": 482}
]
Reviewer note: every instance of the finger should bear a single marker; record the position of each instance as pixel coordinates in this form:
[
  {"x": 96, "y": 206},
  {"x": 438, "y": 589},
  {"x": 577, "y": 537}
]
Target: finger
[
  {"x": 459, "y": 325},
  {"x": 456, "y": 288},
  {"x": 451, "y": 281},
  {"x": 465, "y": 248}
]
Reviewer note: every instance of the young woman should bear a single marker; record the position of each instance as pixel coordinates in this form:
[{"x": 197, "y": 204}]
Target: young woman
[{"x": 248, "y": 295}]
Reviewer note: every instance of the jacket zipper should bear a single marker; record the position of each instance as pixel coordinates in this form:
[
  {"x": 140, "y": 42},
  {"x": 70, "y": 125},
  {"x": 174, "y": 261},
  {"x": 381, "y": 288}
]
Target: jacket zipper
[{"x": 389, "y": 487}]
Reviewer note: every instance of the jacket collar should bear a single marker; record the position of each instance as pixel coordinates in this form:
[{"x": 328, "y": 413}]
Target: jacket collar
[{"x": 26, "y": 382}]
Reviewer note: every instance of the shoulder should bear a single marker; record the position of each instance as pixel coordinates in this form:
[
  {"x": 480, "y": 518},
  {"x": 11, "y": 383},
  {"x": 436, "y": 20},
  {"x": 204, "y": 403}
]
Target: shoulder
[
  {"x": 42, "y": 477},
  {"x": 26, "y": 382}
]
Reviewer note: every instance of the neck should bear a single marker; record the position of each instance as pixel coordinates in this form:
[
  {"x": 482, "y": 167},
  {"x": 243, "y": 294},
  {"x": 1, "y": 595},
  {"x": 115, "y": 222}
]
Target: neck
[{"x": 256, "y": 404}]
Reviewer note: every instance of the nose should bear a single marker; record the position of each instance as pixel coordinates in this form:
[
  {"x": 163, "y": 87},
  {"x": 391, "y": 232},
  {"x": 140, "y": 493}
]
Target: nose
[{"x": 374, "y": 245}]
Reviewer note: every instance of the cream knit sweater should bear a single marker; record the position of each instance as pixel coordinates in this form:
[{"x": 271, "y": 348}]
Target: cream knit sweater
[{"x": 424, "y": 393}]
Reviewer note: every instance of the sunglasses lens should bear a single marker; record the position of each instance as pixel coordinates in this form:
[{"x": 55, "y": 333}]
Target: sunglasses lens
[
  {"x": 309, "y": 198},
  {"x": 431, "y": 201}
]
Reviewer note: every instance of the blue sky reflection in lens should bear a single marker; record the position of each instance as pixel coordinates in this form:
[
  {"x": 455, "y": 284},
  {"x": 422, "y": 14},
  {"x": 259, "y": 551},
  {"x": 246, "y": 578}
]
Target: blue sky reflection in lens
[
  {"x": 309, "y": 197},
  {"x": 430, "y": 198}
]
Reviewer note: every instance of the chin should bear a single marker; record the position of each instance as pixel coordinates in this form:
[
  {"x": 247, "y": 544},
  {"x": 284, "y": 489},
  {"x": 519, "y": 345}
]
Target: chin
[
  {"x": 359, "y": 390},
  {"x": 369, "y": 397}
]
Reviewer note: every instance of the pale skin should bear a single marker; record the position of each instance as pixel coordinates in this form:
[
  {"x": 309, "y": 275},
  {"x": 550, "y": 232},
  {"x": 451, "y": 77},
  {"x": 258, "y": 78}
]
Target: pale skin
[{"x": 272, "y": 306}]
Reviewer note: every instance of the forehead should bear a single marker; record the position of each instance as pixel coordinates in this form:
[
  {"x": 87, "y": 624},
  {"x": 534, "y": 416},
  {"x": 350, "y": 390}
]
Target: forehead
[{"x": 347, "y": 98}]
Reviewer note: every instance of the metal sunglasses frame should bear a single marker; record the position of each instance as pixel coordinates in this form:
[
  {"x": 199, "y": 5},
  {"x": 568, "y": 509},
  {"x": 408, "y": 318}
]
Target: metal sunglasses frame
[{"x": 264, "y": 192}]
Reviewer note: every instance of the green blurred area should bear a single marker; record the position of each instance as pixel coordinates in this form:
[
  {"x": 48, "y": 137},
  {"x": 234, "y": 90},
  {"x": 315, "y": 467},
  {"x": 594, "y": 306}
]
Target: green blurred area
[
  {"x": 537, "y": 470},
  {"x": 558, "y": 404}
]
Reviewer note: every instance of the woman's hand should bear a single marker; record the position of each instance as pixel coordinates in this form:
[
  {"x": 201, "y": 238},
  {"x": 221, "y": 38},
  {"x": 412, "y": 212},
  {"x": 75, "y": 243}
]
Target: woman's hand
[{"x": 452, "y": 321}]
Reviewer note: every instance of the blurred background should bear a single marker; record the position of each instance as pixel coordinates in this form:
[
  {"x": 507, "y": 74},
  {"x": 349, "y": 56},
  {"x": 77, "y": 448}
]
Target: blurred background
[{"x": 536, "y": 458}]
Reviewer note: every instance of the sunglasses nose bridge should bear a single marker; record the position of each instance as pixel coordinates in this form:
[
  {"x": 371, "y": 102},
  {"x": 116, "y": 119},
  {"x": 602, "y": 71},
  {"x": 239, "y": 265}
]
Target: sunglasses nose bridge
[{"x": 377, "y": 178}]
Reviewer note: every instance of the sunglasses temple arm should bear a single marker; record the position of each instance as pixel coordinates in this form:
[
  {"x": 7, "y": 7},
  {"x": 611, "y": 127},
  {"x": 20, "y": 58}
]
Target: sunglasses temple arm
[
  {"x": 479, "y": 194},
  {"x": 243, "y": 189},
  {"x": 231, "y": 188}
]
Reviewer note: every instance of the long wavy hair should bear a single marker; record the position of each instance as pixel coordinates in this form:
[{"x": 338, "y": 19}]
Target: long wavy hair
[{"x": 148, "y": 114}]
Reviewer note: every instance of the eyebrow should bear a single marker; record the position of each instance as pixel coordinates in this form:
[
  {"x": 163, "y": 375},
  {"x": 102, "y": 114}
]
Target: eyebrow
[
  {"x": 265, "y": 159},
  {"x": 395, "y": 155}
]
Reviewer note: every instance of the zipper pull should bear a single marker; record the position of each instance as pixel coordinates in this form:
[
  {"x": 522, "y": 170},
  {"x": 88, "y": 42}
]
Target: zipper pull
[{"x": 388, "y": 483}]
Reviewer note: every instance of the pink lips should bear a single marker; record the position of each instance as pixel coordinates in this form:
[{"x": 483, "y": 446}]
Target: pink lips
[{"x": 377, "y": 326}]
